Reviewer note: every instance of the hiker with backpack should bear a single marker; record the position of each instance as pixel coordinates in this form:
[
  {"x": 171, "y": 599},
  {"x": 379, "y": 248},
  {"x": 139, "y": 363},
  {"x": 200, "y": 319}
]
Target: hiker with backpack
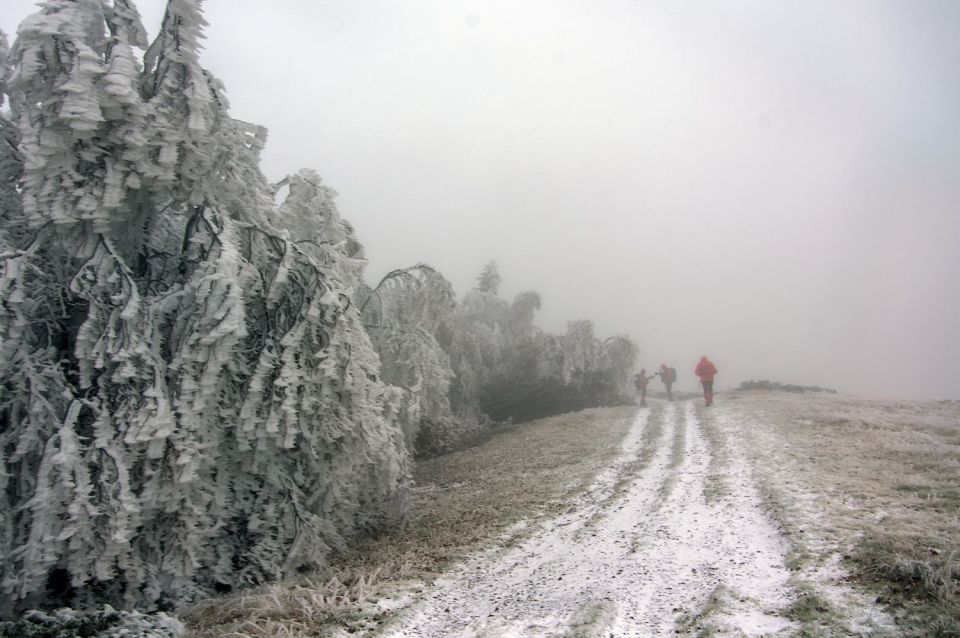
[
  {"x": 640, "y": 382},
  {"x": 668, "y": 375},
  {"x": 706, "y": 371}
]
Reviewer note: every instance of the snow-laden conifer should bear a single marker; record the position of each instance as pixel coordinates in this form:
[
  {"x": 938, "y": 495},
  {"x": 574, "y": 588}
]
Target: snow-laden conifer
[
  {"x": 489, "y": 279},
  {"x": 189, "y": 399}
]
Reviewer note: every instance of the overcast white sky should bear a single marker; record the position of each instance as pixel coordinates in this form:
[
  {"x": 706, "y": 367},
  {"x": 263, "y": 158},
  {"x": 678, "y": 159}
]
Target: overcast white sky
[{"x": 775, "y": 184}]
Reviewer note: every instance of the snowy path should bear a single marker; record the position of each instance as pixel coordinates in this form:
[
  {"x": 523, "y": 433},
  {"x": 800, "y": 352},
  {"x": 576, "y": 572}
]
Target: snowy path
[{"x": 631, "y": 558}]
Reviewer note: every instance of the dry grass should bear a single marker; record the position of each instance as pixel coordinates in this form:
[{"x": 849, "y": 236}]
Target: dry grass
[
  {"x": 462, "y": 502},
  {"x": 301, "y": 608},
  {"x": 885, "y": 476}
]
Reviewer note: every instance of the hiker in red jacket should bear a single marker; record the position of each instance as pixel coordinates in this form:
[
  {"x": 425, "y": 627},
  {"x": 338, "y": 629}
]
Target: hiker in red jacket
[
  {"x": 706, "y": 371},
  {"x": 668, "y": 376},
  {"x": 640, "y": 381}
]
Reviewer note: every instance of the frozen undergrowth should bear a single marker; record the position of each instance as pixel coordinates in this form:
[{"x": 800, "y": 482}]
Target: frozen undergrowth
[{"x": 103, "y": 623}]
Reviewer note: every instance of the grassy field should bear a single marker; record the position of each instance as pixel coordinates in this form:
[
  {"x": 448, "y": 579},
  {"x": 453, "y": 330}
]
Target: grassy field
[
  {"x": 462, "y": 502},
  {"x": 875, "y": 483}
]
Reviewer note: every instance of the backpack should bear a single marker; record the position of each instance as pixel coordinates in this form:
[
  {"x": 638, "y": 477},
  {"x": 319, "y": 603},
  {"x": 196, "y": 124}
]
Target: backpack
[{"x": 673, "y": 375}]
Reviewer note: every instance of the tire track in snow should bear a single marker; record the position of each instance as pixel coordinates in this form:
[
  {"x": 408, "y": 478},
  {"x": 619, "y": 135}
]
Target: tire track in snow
[
  {"x": 626, "y": 561},
  {"x": 693, "y": 549},
  {"x": 533, "y": 589}
]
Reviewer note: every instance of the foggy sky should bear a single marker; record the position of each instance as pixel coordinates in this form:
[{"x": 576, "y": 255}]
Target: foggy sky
[{"x": 773, "y": 184}]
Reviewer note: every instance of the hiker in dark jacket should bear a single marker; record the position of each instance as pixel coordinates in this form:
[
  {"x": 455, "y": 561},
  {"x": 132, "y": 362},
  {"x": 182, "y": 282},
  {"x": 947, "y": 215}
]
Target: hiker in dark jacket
[
  {"x": 641, "y": 381},
  {"x": 706, "y": 371},
  {"x": 668, "y": 377}
]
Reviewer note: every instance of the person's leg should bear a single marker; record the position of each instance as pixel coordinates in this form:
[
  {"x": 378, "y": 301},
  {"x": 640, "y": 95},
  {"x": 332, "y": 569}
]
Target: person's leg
[
  {"x": 643, "y": 396},
  {"x": 708, "y": 392},
  {"x": 669, "y": 392}
]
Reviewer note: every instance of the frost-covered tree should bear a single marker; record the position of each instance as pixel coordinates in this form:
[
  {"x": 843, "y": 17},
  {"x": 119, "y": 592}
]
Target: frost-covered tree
[
  {"x": 542, "y": 374},
  {"x": 405, "y": 313},
  {"x": 188, "y": 399},
  {"x": 11, "y": 162},
  {"x": 582, "y": 352},
  {"x": 309, "y": 215},
  {"x": 475, "y": 339},
  {"x": 516, "y": 385},
  {"x": 599, "y": 373},
  {"x": 620, "y": 354},
  {"x": 69, "y": 305},
  {"x": 522, "y": 311},
  {"x": 489, "y": 279}
]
